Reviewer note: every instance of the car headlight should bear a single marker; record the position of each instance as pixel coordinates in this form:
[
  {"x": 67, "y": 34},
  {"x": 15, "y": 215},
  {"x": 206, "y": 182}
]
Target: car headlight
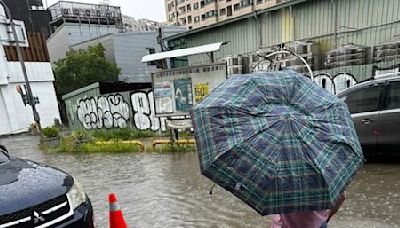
[{"x": 76, "y": 195}]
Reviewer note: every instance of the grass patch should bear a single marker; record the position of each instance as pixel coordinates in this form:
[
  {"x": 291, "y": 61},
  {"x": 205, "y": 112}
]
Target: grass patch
[
  {"x": 120, "y": 134},
  {"x": 70, "y": 144},
  {"x": 110, "y": 148},
  {"x": 85, "y": 141},
  {"x": 174, "y": 148}
]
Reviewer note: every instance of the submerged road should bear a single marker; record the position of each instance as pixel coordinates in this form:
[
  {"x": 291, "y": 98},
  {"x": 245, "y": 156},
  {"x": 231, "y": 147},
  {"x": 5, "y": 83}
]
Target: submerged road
[{"x": 167, "y": 190}]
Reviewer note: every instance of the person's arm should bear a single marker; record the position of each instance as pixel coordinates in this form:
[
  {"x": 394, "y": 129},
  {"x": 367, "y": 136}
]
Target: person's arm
[{"x": 335, "y": 209}]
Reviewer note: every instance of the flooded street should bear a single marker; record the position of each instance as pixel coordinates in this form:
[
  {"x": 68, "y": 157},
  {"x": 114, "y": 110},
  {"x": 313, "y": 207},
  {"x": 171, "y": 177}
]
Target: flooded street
[{"x": 167, "y": 190}]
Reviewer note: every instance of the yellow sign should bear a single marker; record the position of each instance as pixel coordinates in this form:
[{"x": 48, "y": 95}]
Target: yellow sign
[{"x": 200, "y": 91}]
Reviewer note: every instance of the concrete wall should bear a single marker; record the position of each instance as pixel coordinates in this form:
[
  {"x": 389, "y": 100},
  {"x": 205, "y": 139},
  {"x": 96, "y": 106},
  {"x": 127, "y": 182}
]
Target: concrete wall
[
  {"x": 127, "y": 50},
  {"x": 15, "y": 115},
  {"x": 107, "y": 41},
  {"x": 70, "y": 34}
]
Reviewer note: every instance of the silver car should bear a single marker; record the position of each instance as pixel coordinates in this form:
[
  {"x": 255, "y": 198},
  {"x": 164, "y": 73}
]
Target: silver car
[{"x": 375, "y": 108}]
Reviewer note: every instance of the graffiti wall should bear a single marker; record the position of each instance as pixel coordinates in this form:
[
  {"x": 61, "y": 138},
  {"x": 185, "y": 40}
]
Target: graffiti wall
[
  {"x": 337, "y": 79},
  {"x": 110, "y": 111},
  {"x": 336, "y": 83},
  {"x": 118, "y": 110}
]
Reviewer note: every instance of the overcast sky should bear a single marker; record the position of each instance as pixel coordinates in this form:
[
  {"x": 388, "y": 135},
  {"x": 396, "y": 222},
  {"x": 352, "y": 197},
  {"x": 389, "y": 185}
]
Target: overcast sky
[{"x": 150, "y": 9}]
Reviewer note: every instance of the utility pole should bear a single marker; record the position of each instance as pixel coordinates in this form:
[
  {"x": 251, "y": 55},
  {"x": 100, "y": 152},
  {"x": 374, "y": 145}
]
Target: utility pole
[{"x": 31, "y": 101}]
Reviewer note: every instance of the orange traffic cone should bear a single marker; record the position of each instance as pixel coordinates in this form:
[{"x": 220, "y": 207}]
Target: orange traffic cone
[{"x": 116, "y": 218}]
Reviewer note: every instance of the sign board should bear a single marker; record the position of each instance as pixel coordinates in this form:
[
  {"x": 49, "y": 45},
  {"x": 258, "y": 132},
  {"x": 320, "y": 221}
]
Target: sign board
[{"x": 177, "y": 90}]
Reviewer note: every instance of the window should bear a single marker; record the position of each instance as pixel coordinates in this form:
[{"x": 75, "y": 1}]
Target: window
[
  {"x": 245, "y": 3},
  {"x": 188, "y": 8},
  {"x": 206, "y": 2},
  {"x": 259, "y": 1},
  {"x": 393, "y": 98},
  {"x": 196, "y": 6},
  {"x": 222, "y": 12},
  {"x": 229, "y": 11},
  {"x": 196, "y": 19},
  {"x": 236, "y": 7},
  {"x": 209, "y": 14},
  {"x": 189, "y": 20},
  {"x": 363, "y": 100}
]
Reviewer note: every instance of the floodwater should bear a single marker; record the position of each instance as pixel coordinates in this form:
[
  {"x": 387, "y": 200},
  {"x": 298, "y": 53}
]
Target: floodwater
[{"x": 167, "y": 190}]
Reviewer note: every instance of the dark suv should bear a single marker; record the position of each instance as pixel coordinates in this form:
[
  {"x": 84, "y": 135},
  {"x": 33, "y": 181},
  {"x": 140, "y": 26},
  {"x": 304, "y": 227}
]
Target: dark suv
[
  {"x": 35, "y": 195},
  {"x": 375, "y": 108}
]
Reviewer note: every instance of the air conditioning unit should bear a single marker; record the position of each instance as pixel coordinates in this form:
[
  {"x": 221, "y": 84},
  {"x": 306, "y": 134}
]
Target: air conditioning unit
[
  {"x": 234, "y": 70},
  {"x": 108, "y": 14},
  {"x": 65, "y": 12},
  {"x": 233, "y": 61},
  {"x": 76, "y": 12},
  {"x": 98, "y": 13},
  {"x": 87, "y": 12}
]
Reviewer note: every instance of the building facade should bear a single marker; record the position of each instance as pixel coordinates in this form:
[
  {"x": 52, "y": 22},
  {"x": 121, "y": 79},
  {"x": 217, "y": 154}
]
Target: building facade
[
  {"x": 331, "y": 25},
  {"x": 132, "y": 24},
  {"x": 78, "y": 22},
  {"x": 32, "y": 13},
  {"x": 15, "y": 112},
  {"x": 127, "y": 50},
  {"x": 199, "y": 13}
]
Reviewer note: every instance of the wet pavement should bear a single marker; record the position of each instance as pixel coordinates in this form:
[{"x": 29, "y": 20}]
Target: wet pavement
[{"x": 167, "y": 190}]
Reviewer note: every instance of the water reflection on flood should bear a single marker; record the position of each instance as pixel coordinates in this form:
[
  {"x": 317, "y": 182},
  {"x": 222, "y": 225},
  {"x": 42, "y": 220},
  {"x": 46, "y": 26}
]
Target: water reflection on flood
[{"x": 167, "y": 190}]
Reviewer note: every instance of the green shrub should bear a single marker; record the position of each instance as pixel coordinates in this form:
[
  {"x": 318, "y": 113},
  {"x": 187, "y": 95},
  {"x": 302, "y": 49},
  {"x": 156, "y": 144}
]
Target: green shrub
[
  {"x": 50, "y": 132},
  {"x": 57, "y": 123}
]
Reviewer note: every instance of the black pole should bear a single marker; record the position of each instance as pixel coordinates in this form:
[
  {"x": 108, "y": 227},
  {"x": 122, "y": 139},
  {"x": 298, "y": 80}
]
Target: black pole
[{"x": 31, "y": 101}]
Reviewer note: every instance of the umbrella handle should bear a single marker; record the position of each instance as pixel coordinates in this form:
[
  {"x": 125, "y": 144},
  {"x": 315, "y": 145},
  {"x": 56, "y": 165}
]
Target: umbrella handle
[{"x": 286, "y": 51}]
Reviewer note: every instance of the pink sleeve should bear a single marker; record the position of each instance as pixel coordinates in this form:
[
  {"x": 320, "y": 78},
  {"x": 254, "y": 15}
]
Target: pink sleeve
[
  {"x": 309, "y": 219},
  {"x": 276, "y": 221}
]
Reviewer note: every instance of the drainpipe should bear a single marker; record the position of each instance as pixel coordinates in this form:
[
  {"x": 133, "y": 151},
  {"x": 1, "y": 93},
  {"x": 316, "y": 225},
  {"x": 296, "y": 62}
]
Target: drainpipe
[
  {"x": 259, "y": 29},
  {"x": 292, "y": 23},
  {"x": 335, "y": 13},
  {"x": 36, "y": 116}
]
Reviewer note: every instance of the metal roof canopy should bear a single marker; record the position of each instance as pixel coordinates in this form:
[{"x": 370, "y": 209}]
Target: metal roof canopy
[{"x": 208, "y": 48}]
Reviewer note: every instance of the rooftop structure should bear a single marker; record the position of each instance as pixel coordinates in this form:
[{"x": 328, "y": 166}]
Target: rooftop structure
[{"x": 64, "y": 11}]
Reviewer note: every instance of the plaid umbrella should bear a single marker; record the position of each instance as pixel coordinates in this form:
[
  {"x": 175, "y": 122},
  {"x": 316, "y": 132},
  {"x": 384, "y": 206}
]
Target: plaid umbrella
[{"x": 277, "y": 141}]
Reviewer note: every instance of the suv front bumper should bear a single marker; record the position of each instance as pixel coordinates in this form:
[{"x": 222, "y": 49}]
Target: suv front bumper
[{"x": 83, "y": 217}]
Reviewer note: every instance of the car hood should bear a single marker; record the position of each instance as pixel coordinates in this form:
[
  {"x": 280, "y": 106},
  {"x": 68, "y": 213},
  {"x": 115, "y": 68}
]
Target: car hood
[{"x": 25, "y": 183}]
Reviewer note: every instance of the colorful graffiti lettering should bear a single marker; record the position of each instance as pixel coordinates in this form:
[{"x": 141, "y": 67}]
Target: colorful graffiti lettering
[{"x": 336, "y": 83}]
